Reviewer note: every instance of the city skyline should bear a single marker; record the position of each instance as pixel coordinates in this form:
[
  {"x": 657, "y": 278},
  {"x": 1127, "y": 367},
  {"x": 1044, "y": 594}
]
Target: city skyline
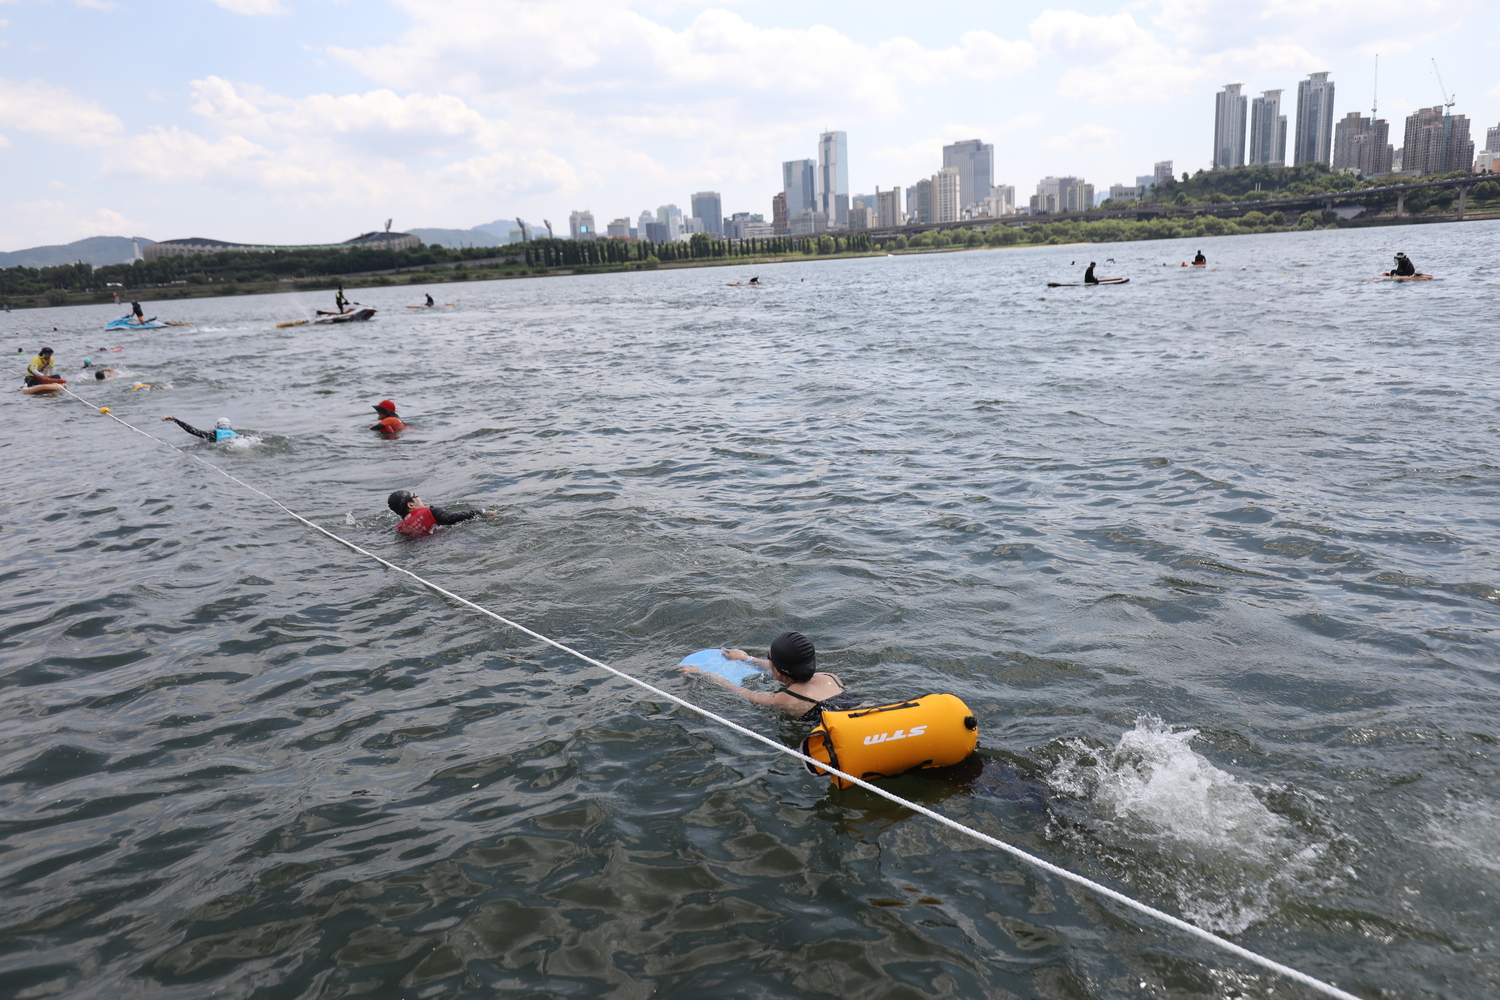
[{"x": 446, "y": 114}]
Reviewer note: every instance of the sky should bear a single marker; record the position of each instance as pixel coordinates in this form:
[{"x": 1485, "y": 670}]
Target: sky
[{"x": 309, "y": 121}]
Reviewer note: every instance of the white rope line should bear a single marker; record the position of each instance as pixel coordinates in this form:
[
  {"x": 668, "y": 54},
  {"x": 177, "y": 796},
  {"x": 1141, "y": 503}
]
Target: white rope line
[{"x": 1021, "y": 855}]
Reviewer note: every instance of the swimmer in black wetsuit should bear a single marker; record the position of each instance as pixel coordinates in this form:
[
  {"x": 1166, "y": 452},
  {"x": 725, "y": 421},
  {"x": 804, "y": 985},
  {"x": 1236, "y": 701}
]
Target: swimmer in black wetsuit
[
  {"x": 1088, "y": 276},
  {"x": 792, "y": 661},
  {"x": 1404, "y": 267},
  {"x": 429, "y": 299},
  {"x": 1200, "y": 259}
]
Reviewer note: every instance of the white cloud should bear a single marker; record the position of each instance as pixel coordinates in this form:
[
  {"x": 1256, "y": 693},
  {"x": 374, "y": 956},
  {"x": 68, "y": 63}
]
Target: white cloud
[
  {"x": 1087, "y": 139},
  {"x": 253, "y": 8},
  {"x": 1112, "y": 59},
  {"x": 5, "y": 143},
  {"x": 55, "y": 113},
  {"x": 45, "y": 222}
]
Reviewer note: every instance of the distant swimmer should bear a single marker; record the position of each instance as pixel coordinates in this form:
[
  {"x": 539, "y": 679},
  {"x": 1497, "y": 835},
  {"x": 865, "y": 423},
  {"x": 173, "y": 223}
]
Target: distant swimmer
[
  {"x": 1200, "y": 259},
  {"x": 137, "y": 312},
  {"x": 221, "y": 432},
  {"x": 40, "y": 370},
  {"x": 793, "y": 662},
  {"x": 100, "y": 374},
  {"x": 429, "y": 299},
  {"x": 418, "y": 519},
  {"x": 388, "y": 423},
  {"x": 755, "y": 280},
  {"x": 1404, "y": 267},
  {"x": 1088, "y": 276}
]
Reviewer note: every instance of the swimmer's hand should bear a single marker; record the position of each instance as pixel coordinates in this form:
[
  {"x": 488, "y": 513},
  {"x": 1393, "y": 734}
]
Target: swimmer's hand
[
  {"x": 489, "y": 513},
  {"x": 165, "y": 419},
  {"x": 688, "y": 668},
  {"x": 735, "y": 654}
]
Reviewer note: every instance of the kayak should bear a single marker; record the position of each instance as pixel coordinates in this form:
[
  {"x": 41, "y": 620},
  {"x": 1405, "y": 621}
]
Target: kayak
[
  {"x": 744, "y": 284},
  {"x": 347, "y": 316},
  {"x": 1387, "y": 276},
  {"x": 1079, "y": 284}
]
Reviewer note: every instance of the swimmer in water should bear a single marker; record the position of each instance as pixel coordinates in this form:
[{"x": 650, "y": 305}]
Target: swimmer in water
[
  {"x": 418, "y": 519},
  {"x": 388, "y": 423},
  {"x": 793, "y": 662},
  {"x": 144, "y": 385},
  {"x": 100, "y": 374},
  {"x": 221, "y": 432}
]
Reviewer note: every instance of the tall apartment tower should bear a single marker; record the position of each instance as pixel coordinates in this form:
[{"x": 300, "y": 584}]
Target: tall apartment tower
[
  {"x": 919, "y": 201},
  {"x": 1229, "y": 127},
  {"x": 1361, "y": 145},
  {"x": 947, "y": 198},
  {"x": 1267, "y": 131},
  {"x": 1492, "y": 140},
  {"x": 710, "y": 208},
  {"x": 1437, "y": 142},
  {"x": 1314, "y": 142},
  {"x": 975, "y": 162},
  {"x": 888, "y": 208},
  {"x": 779, "y": 217},
  {"x": 1162, "y": 174},
  {"x": 799, "y": 179},
  {"x": 833, "y": 177}
]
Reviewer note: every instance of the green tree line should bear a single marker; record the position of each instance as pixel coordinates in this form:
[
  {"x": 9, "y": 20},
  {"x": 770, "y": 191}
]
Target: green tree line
[{"x": 700, "y": 246}]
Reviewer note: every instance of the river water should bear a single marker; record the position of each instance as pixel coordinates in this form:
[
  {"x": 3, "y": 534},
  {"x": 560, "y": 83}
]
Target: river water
[{"x": 1212, "y": 555}]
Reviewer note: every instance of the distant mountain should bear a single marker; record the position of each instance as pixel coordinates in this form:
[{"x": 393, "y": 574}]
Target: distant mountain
[
  {"x": 458, "y": 237},
  {"x": 503, "y": 228},
  {"x": 96, "y": 250}
]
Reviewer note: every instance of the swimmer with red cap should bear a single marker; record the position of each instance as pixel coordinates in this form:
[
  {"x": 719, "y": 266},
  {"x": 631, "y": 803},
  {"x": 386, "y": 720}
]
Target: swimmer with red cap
[
  {"x": 418, "y": 519},
  {"x": 389, "y": 423}
]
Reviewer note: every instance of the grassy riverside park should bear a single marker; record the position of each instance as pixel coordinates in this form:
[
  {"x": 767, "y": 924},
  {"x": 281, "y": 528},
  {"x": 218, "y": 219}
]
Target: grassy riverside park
[{"x": 245, "y": 273}]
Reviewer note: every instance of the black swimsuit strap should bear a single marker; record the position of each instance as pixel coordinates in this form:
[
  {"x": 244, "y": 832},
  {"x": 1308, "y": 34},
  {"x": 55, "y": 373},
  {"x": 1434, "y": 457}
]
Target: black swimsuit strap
[{"x": 812, "y": 701}]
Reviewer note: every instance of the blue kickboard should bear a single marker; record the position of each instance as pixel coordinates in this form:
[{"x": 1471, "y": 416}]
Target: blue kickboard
[{"x": 715, "y": 662}]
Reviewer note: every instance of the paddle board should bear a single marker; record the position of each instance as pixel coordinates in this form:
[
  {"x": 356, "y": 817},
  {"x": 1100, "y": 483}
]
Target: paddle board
[
  {"x": 435, "y": 305},
  {"x": 1404, "y": 277},
  {"x": 715, "y": 662},
  {"x": 1080, "y": 284}
]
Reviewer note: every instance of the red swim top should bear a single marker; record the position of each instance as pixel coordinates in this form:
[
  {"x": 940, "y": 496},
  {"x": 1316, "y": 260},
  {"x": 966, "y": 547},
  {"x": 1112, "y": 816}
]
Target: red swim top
[{"x": 418, "y": 523}]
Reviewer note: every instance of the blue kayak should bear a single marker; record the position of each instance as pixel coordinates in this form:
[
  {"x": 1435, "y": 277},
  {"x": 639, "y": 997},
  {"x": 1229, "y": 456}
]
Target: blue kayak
[{"x": 129, "y": 323}]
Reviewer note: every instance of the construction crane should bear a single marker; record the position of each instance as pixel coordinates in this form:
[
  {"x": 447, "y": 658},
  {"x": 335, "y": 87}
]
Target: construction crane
[{"x": 1448, "y": 98}]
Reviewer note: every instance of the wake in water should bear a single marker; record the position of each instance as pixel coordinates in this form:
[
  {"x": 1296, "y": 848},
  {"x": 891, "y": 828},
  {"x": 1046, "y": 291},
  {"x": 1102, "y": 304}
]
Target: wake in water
[{"x": 1169, "y": 820}]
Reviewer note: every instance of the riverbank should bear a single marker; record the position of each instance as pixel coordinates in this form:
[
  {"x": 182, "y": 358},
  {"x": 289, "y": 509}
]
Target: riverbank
[{"x": 977, "y": 237}]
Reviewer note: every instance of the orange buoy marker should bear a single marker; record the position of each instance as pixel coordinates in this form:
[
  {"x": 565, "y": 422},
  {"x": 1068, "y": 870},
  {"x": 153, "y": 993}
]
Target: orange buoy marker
[
  {"x": 935, "y": 730},
  {"x": 103, "y": 409}
]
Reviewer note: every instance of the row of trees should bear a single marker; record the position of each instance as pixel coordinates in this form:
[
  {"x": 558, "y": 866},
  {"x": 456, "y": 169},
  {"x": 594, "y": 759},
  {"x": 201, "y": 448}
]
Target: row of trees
[
  {"x": 1238, "y": 184},
  {"x": 700, "y": 246},
  {"x": 229, "y": 265}
]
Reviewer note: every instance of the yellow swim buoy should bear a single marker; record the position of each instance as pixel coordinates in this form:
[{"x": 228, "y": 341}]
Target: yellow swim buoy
[
  {"x": 935, "y": 730},
  {"x": 103, "y": 409}
]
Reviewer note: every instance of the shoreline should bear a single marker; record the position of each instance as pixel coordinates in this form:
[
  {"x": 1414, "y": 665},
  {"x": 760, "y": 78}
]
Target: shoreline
[{"x": 493, "y": 269}]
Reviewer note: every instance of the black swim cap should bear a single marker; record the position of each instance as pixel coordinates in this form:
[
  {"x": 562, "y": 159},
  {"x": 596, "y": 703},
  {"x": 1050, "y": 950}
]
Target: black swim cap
[
  {"x": 400, "y": 501},
  {"x": 792, "y": 653}
]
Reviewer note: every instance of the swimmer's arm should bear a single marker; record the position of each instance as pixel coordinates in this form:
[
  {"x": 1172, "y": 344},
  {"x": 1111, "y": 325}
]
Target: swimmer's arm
[
  {"x": 442, "y": 516},
  {"x": 775, "y": 699},
  {"x": 206, "y": 435},
  {"x": 740, "y": 654}
]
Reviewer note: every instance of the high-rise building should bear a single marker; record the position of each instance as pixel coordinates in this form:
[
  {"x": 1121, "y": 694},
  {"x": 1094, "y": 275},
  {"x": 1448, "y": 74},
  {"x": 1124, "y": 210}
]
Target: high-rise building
[
  {"x": 671, "y": 217},
  {"x": 779, "y": 214},
  {"x": 799, "y": 180},
  {"x": 1162, "y": 174},
  {"x": 1229, "y": 127},
  {"x": 1436, "y": 142},
  {"x": 947, "y": 203},
  {"x": 919, "y": 201},
  {"x": 888, "y": 207},
  {"x": 656, "y": 232},
  {"x": 709, "y": 207},
  {"x": 1267, "y": 131},
  {"x": 1361, "y": 146},
  {"x": 1314, "y": 141},
  {"x": 581, "y": 225},
  {"x": 975, "y": 162},
  {"x": 807, "y": 222},
  {"x": 643, "y": 225},
  {"x": 1000, "y": 201},
  {"x": 618, "y": 229},
  {"x": 1486, "y": 162},
  {"x": 861, "y": 216},
  {"x": 1062, "y": 194},
  {"x": 833, "y": 177},
  {"x": 1492, "y": 140}
]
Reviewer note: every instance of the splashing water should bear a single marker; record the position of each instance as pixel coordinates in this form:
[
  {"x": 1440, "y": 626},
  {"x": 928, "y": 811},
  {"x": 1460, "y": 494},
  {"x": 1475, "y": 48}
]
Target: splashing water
[{"x": 1195, "y": 832}]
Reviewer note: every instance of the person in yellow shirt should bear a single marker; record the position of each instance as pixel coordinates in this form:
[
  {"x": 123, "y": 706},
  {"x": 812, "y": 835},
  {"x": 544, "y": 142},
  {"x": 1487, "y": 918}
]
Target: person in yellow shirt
[{"x": 40, "y": 369}]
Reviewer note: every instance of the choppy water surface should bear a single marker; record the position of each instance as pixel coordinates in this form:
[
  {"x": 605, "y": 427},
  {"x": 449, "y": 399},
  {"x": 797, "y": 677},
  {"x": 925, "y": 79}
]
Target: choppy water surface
[{"x": 1214, "y": 553}]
